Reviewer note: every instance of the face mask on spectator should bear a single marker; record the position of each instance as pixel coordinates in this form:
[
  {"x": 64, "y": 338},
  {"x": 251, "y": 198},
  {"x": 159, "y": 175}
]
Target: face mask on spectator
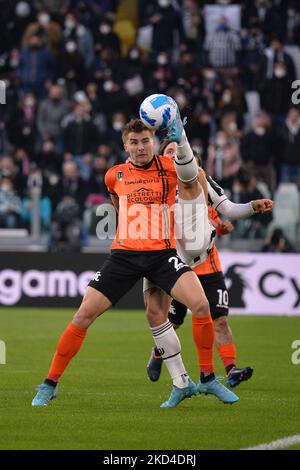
[
  {"x": 105, "y": 28},
  {"x": 71, "y": 46},
  {"x": 134, "y": 54},
  {"x": 6, "y": 174},
  {"x": 69, "y": 24},
  {"x": 108, "y": 86},
  {"x": 14, "y": 62},
  {"x": 180, "y": 100},
  {"x": 232, "y": 126},
  {"x": 80, "y": 97},
  {"x": 29, "y": 101},
  {"x": 279, "y": 71},
  {"x": 118, "y": 126},
  {"x": 291, "y": 12},
  {"x": 22, "y": 9},
  {"x": 162, "y": 60},
  {"x": 44, "y": 19},
  {"x": 260, "y": 131},
  {"x": 164, "y": 3},
  {"x": 209, "y": 74},
  {"x": 220, "y": 142},
  {"x": 6, "y": 185},
  {"x": 226, "y": 97}
]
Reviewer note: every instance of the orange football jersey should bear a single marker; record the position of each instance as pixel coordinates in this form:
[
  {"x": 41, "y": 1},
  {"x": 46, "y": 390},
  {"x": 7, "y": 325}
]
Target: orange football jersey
[
  {"x": 146, "y": 204},
  {"x": 213, "y": 262}
]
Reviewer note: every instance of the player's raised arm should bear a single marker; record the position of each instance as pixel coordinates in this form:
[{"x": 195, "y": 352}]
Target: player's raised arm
[{"x": 230, "y": 209}]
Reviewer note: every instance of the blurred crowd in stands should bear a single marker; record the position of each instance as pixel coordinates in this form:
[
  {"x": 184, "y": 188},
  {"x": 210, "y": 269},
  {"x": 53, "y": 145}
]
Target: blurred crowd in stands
[{"x": 76, "y": 71}]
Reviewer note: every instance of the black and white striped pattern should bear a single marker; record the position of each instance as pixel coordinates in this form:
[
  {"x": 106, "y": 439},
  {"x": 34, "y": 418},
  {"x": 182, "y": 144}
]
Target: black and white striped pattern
[
  {"x": 159, "y": 330},
  {"x": 222, "y": 47}
]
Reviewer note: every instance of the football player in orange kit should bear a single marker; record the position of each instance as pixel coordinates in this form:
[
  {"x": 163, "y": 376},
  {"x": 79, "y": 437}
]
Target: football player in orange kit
[
  {"x": 212, "y": 279},
  {"x": 146, "y": 182}
]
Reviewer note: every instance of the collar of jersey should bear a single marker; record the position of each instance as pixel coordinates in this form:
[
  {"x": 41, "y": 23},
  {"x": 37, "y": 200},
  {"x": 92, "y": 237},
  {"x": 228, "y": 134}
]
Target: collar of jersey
[{"x": 144, "y": 167}]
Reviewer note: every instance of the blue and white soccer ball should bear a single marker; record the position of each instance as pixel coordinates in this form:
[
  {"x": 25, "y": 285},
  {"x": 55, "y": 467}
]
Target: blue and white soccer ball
[{"x": 158, "y": 111}]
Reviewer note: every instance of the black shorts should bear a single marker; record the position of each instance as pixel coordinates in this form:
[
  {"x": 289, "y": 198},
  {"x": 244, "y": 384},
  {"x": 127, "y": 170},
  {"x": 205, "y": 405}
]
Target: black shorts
[
  {"x": 217, "y": 295},
  {"x": 123, "y": 269}
]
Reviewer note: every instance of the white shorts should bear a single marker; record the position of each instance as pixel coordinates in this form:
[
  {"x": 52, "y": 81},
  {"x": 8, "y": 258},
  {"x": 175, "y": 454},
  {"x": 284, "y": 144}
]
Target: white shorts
[{"x": 194, "y": 232}]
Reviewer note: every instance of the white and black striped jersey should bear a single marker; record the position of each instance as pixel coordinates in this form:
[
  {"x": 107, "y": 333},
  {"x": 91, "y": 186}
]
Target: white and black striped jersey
[
  {"x": 216, "y": 194},
  {"x": 219, "y": 201}
]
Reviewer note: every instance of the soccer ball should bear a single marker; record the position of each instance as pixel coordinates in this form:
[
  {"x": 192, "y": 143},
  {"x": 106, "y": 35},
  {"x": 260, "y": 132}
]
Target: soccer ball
[{"x": 158, "y": 111}]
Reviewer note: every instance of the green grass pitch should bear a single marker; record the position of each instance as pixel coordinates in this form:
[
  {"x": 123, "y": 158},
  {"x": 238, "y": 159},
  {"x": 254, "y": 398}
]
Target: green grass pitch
[{"x": 106, "y": 401}]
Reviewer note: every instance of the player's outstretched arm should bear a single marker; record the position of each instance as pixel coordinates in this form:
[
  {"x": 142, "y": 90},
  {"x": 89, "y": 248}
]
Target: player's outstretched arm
[
  {"x": 241, "y": 211},
  {"x": 232, "y": 210}
]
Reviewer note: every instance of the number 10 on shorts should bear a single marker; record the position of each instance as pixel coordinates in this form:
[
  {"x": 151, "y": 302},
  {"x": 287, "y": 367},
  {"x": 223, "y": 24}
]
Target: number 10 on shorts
[{"x": 223, "y": 297}]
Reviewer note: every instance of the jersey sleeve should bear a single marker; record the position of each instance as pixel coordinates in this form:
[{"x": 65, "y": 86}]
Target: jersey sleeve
[
  {"x": 216, "y": 194},
  {"x": 110, "y": 180}
]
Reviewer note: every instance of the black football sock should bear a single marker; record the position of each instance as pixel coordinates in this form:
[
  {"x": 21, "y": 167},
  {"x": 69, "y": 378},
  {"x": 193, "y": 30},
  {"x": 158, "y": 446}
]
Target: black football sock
[
  {"x": 228, "y": 368},
  {"x": 50, "y": 382},
  {"x": 204, "y": 378}
]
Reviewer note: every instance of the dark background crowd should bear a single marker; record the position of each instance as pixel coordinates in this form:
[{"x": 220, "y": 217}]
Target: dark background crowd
[{"x": 76, "y": 71}]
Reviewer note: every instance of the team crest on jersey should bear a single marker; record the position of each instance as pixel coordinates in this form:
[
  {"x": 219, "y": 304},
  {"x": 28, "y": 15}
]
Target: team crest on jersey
[
  {"x": 120, "y": 175},
  {"x": 163, "y": 173},
  {"x": 97, "y": 276}
]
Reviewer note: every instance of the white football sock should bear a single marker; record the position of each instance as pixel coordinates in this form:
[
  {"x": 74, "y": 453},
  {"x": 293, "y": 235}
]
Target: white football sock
[
  {"x": 185, "y": 164},
  {"x": 168, "y": 344}
]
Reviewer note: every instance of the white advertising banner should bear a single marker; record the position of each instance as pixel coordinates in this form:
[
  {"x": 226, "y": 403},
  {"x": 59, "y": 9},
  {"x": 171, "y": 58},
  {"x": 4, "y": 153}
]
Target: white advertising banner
[{"x": 262, "y": 283}]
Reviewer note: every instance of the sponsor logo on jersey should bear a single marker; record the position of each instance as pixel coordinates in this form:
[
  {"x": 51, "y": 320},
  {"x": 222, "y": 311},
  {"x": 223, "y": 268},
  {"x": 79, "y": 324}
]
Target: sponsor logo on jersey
[
  {"x": 144, "y": 196},
  {"x": 142, "y": 181}
]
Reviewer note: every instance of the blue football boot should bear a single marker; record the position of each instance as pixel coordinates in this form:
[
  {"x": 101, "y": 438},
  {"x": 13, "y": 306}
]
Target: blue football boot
[
  {"x": 45, "y": 394},
  {"x": 154, "y": 366},
  {"x": 179, "y": 394},
  {"x": 214, "y": 387},
  {"x": 236, "y": 376}
]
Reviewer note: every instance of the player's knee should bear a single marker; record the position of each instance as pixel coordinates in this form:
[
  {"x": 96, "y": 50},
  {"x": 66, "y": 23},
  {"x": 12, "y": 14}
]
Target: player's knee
[
  {"x": 155, "y": 316},
  {"x": 200, "y": 307},
  {"x": 85, "y": 316}
]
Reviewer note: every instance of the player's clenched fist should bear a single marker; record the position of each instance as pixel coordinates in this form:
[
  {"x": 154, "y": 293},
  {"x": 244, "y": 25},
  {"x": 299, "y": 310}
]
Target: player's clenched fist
[{"x": 262, "y": 205}]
